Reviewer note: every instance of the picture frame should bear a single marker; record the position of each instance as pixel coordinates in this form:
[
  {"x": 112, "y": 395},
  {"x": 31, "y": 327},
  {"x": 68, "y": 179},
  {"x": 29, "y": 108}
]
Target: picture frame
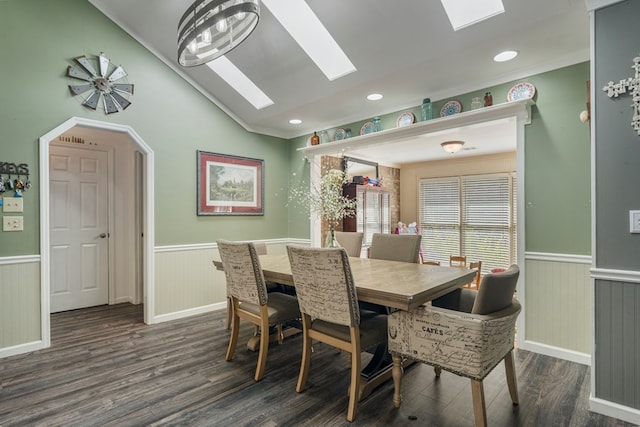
[{"x": 229, "y": 185}]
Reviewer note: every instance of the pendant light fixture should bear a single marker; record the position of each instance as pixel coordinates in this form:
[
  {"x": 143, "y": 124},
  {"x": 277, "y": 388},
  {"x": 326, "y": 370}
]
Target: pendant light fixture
[{"x": 211, "y": 28}]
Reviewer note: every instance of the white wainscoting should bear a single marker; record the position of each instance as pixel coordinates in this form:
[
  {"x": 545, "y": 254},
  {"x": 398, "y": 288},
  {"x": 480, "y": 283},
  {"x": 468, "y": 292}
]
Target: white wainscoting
[
  {"x": 187, "y": 283},
  {"x": 20, "y": 322},
  {"x": 558, "y": 306}
]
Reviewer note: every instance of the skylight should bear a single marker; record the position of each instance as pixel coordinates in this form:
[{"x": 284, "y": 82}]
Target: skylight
[
  {"x": 307, "y": 30},
  {"x": 463, "y": 13},
  {"x": 240, "y": 82}
]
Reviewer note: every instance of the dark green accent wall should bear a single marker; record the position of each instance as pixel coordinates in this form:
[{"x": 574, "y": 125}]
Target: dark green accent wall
[{"x": 40, "y": 38}]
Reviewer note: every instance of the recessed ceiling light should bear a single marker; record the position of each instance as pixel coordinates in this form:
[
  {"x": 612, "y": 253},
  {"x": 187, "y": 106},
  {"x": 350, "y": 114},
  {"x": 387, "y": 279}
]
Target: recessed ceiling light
[
  {"x": 295, "y": 121},
  {"x": 307, "y": 30},
  {"x": 507, "y": 55},
  {"x": 374, "y": 97},
  {"x": 240, "y": 82},
  {"x": 465, "y": 13}
]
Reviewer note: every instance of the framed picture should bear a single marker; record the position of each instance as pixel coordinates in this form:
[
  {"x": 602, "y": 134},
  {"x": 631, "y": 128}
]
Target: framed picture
[{"x": 230, "y": 185}]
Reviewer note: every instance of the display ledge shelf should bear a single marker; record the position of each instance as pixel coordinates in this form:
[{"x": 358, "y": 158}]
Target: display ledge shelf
[{"x": 520, "y": 109}]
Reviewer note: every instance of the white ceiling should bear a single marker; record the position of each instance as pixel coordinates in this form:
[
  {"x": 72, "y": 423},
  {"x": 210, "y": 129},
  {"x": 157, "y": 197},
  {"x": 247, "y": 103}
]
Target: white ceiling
[{"x": 404, "y": 49}]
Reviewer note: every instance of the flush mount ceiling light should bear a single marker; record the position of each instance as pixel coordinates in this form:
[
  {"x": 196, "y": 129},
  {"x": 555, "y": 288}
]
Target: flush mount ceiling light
[
  {"x": 452, "y": 146},
  {"x": 507, "y": 55},
  {"x": 465, "y": 13},
  {"x": 375, "y": 97},
  {"x": 211, "y": 28},
  {"x": 295, "y": 121}
]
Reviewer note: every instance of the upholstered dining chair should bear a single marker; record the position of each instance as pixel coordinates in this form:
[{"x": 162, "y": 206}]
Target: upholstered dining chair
[
  {"x": 351, "y": 241},
  {"x": 330, "y": 314},
  {"x": 466, "y": 332},
  {"x": 396, "y": 247},
  {"x": 261, "y": 249},
  {"x": 249, "y": 298}
]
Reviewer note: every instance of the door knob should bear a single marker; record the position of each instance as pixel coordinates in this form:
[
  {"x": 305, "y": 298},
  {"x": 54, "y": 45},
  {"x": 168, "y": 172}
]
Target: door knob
[{"x": 103, "y": 235}]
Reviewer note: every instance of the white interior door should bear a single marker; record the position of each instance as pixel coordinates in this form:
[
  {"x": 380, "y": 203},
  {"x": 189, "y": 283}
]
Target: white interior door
[{"x": 79, "y": 233}]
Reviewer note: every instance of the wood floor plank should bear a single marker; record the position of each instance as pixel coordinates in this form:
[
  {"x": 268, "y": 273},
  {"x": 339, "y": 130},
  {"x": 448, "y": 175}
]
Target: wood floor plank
[{"x": 107, "y": 368}]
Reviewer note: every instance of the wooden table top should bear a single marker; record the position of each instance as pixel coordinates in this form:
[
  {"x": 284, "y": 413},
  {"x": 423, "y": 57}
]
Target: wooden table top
[{"x": 400, "y": 285}]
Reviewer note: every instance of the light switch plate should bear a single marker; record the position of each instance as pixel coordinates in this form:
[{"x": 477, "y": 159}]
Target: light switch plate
[
  {"x": 12, "y": 223},
  {"x": 634, "y": 221},
  {"x": 12, "y": 204}
]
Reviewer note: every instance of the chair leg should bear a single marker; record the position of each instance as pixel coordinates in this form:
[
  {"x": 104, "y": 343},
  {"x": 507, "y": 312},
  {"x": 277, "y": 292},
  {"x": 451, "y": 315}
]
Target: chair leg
[
  {"x": 354, "y": 388},
  {"x": 479, "y": 409},
  {"x": 233, "y": 339},
  {"x": 510, "y": 369},
  {"x": 306, "y": 354},
  {"x": 437, "y": 370},
  {"x": 229, "y": 313},
  {"x": 264, "y": 343}
]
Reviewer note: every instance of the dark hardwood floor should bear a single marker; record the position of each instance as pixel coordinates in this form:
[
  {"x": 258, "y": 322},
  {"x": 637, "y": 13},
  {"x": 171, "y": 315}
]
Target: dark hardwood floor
[{"x": 107, "y": 368}]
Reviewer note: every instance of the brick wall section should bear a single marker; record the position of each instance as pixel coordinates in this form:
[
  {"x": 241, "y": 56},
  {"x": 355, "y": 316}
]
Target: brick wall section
[{"x": 390, "y": 178}]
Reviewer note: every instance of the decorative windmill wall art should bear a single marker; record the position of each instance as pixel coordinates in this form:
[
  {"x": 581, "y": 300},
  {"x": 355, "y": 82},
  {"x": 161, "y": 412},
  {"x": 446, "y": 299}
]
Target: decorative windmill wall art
[
  {"x": 632, "y": 85},
  {"x": 104, "y": 85}
]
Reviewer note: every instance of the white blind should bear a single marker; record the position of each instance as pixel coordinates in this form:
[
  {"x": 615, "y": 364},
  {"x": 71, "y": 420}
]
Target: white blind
[
  {"x": 439, "y": 203},
  {"x": 472, "y": 216}
]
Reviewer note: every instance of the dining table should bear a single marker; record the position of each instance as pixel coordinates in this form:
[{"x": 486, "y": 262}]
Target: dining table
[{"x": 392, "y": 285}]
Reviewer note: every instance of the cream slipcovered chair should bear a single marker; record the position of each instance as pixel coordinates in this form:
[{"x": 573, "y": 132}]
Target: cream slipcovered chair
[
  {"x": 466, "y": 332},
  {"x": 261, "y": 249},
  {"x": 249, "y": 299},
  {"x": 395, "y": 247},
  {"x": 329, "y": 307},
  {"x": 350, "y": 241}
]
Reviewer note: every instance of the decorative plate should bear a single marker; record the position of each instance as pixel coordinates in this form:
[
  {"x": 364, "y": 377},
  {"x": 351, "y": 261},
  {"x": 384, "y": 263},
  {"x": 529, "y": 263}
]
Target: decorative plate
[
  {"x": 450, "y": 107},
  {"x": 340, "y": 134},
  {"x": 405, "y": 119},
  {"x": 366, "y": 128},
  {"x": 522, "y": 90}
]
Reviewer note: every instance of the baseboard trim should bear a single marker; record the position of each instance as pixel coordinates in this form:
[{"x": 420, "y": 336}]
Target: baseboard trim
[
  {"x": 614, "y": 410},
  {"x": 190, "y": 312},
  {"x": 557, "y": 352},
  {"x": 21, "y": 348}
]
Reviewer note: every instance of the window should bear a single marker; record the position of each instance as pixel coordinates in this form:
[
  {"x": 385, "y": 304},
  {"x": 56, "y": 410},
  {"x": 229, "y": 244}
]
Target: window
[{"x": 473, "y": 216}]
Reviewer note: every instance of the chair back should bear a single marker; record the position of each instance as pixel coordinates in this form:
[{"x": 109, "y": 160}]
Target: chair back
[
  {"x": 396, "y": 247},
  {"x": 242, "y": 270},
  {"x": 477, "y": 265},
  {"x": 261, "y": 248},
  {"x": 324, "y": 284},
  {"x": 457, "y": 261},
  {"x": 350, "y": 241},
  {"x": 496, "y": 291}
]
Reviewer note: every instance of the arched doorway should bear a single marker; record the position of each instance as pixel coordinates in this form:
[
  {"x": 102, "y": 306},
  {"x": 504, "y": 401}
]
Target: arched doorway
[{"x": 146, "y": 223}]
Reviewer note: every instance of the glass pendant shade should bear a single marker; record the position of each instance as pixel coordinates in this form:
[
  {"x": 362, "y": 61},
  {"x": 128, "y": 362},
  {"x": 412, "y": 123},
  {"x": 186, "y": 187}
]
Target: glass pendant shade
[{"x": 211, "y": 28}]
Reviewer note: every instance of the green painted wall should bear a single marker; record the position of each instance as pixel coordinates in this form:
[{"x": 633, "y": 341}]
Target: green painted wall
[
  {"x": 40, "y": 38},
  {"x": 557, "y": 160}
]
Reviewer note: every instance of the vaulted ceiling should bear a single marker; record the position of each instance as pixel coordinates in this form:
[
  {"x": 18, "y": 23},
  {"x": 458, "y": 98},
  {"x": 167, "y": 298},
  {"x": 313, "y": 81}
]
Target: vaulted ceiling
[{"x": 403, "y": 49}]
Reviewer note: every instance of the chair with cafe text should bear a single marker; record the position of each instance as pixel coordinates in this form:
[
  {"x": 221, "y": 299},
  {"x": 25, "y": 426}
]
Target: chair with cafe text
[
  {"x": 465, "y": 332},
  {"x": 249, "y": 298},
  {"x": 330, "y": 314}
]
